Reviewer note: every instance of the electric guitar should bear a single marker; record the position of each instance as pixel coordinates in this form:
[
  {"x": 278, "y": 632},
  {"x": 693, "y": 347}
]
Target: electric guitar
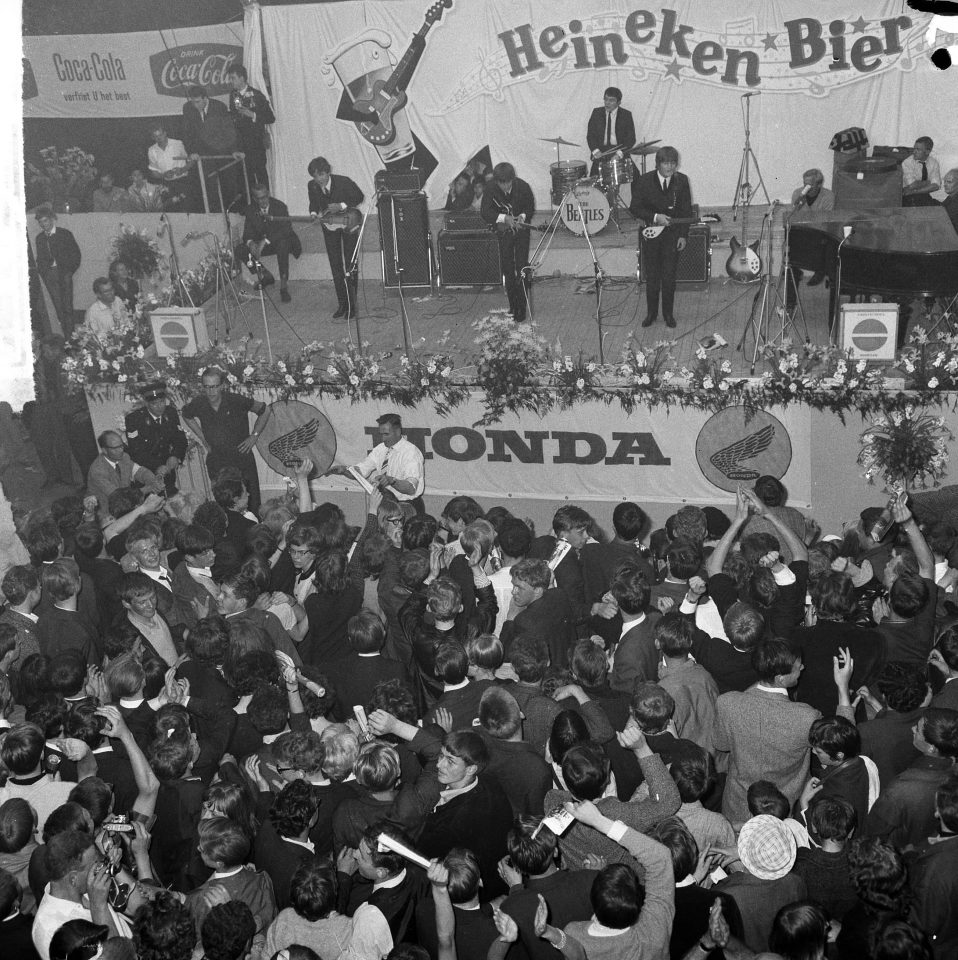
[
  {"x": 348, "y": 219},
  {"x": 744, "y": 263},
  {"x": 655, "y": 229},
  {"x": 388, "y": 96}
]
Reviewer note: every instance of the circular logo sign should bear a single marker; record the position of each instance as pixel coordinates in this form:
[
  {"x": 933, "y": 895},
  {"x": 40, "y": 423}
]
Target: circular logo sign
[
  {"x": 174, "y": 335},
  {"x": 869, "y": 334},
  {"x": 294, "y": 432},
  {"x": 731, "y": 450}
]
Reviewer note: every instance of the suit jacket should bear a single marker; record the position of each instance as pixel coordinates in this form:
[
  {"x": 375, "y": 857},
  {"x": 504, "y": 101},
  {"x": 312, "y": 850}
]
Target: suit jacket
[
  {"x": 947, "y": 697},
  {"x": 934, "y": 880},
  {"x": 251, "y": 131},
  {"x": 904, "y": 812},
  {"x": 279, "y": 858},
  {"x": 636, "y": 658},
  {"x": 951, "y": 208},
  {"x": 60, "y": 249},
  {"x": 550, "y": 618},
  {"x": 648, "y": 199},
  {"x": 888, "y": 740},
  {"x": 520, "y": 201},
  {"x": 624, "y": 129},
  {"x": 341, "y": 190},
  {"x": 257, "y": 227},
  {"x": 151, "y": 442},
  {"x": 354, "y": 679},
  {"x": 102, "y": 477},
  {"x": 568, "y": 575},
  {"x": 766, "y": 735},
  {"x": 216, "y": 134},
  {"x": 694, "y": 691}
]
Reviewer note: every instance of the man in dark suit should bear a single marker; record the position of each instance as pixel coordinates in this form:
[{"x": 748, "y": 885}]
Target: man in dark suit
[
  {"x": 209, "y": 131},
  {"x": 333, "y": 193},
  {"x": 508, "y": 204},
  {"x": 155, "y": 437},
  {"x": 610, "y": 126},
  {"x": 264, "y": 236},
  {"x": 251, "y": 113},
  {"x": 58, "y": 258},
  {"x": 658, "y": 198}
]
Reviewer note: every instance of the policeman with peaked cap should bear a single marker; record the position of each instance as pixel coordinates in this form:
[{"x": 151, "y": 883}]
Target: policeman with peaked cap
[{"x": 154, "y": 435}]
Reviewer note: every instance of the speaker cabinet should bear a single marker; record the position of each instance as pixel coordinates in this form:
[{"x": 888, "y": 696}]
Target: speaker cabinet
[
  {"x": 408, "y": 237},
  {"x": 869, "y": 330},
  {"x": 695, "y": 261},
  {"x": 872, "y": 182},
  {"x": 179, "y": 330},
  {"x": 468, "y": 258}
]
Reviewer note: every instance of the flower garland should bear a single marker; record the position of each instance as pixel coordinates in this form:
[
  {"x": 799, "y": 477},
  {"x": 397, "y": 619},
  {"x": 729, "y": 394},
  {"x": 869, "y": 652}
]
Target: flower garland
[{"x": 515, "y": 370}]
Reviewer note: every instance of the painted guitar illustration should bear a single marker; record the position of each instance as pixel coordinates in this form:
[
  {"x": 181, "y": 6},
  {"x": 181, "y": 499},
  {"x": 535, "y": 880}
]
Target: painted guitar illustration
[
  {"x": 655, "y": 230},
  {"x": 744, "y": 264},
  {"x": 388, "y": 96},
  {"x": 348, "y": 219}
]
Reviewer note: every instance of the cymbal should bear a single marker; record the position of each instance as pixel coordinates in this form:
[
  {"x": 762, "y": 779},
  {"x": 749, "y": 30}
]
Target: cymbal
[
  {"x": 644, "y": 149},
  {"x": 559, "y": 141}
]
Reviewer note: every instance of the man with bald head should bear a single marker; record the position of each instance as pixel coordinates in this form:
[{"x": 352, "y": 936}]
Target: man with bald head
[
  {"x": 114, "y": 468},
  {"x": 950, "y": 203}
]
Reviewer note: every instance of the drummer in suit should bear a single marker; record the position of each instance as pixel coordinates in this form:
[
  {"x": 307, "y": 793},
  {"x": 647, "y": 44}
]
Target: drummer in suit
[
  {"x": 657, "y": 198},
  {"x": 610, "y": 127},
  {"x": 154, "y": 435}
]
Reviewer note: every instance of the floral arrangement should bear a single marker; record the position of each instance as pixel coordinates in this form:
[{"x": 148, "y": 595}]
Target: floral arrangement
[
  {"x": 62, "y": 177},
  {"x": 511, "y": 358},
  {"x": 905, "y": 448},
  {"x": 516, "y": 370},
  {"x": 196, "y": 285},
  {"x": 138, "y": 249}
]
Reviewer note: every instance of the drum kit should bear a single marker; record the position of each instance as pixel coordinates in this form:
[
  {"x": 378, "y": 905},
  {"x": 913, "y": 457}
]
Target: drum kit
[{"x": 585, "y": 203}]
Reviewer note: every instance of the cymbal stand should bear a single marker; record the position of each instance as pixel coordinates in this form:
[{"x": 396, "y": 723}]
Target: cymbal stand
[
  {"x": 763, "y": 304},
  {"x": 177, "y": 283},
  {"x": 744, "y": 194},
  {"x": 599, "y": 278},
  {"x": 529, "y": 271}
]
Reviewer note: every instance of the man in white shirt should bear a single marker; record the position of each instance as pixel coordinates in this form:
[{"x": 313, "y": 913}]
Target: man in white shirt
[
  {"x": 921, "y": 175},
  {"x": 107, "y": 312},
  {"x": 167, "y": 157},
  {"x": 395, "y": 466}
]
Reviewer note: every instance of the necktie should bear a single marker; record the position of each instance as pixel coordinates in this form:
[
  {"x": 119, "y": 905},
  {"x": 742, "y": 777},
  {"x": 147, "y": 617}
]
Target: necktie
[
  {"x": 608, "y": 129},
  {"x": 924, "y": 172},
  {"x": 665, "y": 185},
  {"x": 119, "y": 475}
]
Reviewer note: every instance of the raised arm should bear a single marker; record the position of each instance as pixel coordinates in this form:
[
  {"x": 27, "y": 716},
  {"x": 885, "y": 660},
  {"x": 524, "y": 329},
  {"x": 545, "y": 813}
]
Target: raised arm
[
  {"x": 717, "y": 559},
  {"x": 788, "y": 536},
  {"x": 926, "y": 559},
  {"x": 147, "y": 786}
]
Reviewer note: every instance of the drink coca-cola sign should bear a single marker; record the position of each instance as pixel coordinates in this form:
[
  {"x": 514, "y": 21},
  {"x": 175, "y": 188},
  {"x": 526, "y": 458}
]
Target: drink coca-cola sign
[{"x": 194, "y": 65}]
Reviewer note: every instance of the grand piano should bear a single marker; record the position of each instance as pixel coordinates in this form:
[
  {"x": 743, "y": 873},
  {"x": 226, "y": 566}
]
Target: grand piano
[{"x": 892, "y": 252}]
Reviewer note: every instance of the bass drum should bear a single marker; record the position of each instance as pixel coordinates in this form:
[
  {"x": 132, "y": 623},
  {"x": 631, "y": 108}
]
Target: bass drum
[
  {"x": 584, "y": 209},
  {"x": 565, "y": 175}
]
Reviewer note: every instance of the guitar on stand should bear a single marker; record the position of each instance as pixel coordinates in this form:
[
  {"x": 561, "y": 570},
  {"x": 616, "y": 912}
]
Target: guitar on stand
[
  {"x": 388, "y": 96},
  {"x": 744, "y": 264}
]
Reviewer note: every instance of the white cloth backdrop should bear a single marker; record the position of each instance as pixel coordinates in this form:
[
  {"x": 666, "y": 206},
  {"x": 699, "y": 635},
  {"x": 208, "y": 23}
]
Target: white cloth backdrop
[{"x": 462, "y": 96}]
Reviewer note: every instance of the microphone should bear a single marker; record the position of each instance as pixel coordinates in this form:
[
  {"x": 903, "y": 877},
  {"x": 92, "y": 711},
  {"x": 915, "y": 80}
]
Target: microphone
[
  {"x": 847, "y": 230},
  {"x": 754, "y": 93},
  {"x": 806, "y": 190}
]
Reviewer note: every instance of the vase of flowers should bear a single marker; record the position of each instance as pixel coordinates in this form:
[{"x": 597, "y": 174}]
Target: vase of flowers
[
  {"x": 138, "y": 249},
  {"x": 64, "y": 179},
  {"x": 905, "y": 448}
]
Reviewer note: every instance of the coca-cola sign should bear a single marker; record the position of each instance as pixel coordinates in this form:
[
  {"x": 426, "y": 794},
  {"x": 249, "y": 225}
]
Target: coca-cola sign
[{"x": 195, "y": 64}]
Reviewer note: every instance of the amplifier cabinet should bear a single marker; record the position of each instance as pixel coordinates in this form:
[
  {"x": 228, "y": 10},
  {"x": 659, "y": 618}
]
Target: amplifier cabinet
[
  {"x": 410, "y": 239},
  {"x": 695, "y": 261},
  {"x": 468, "y": 258}
]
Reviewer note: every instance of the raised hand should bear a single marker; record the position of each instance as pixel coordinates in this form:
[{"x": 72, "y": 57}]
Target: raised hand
[
  {"x": 541, "y": 919},
  {"x": 444, "y": 719},
  {"x": 380, "y": 722},
  {"x": 508, "y": 931},
  {"x": 115, "y": 724}
]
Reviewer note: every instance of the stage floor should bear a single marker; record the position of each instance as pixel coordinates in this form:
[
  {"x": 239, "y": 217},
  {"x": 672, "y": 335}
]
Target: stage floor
[{"x": 564, "y": 308}]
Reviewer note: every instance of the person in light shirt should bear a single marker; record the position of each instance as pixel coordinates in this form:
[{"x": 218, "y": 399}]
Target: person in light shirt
[{"x": 107, "y": 312}]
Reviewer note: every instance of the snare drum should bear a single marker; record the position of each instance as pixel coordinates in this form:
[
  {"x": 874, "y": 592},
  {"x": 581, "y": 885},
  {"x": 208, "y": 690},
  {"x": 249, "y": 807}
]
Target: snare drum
[
  {"x": 565, "y": 175},
  {"x": 593, "y": 205},
  {"x": 614, "y": 171}
]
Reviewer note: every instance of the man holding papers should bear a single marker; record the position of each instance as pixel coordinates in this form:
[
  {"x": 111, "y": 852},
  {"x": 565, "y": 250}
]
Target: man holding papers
[{"x": 395, "y": 466}]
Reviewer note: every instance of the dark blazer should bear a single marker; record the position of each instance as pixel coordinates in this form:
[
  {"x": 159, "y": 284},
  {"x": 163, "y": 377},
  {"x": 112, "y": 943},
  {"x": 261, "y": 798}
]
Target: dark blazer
[
  {"x": 277, "y": 232},
  {"x": 212, "y": 136},
  {"x": 60, "y": 249},
  {"x": 648, "y": 199},
  {"x": 522, "y": 773},
  {"x": 354, "y": 679},
  {"x": 624, "y": 129},
  {"x": 341, "y": 190},
  {"x": 520, "y": 201},
  {"x": 551, "y": 619},
  {"x": 151, "y": 443},
  {"x": 251, "y": 131},
  {"x": 600, "y": 561},
  {"x": 568, "y": 575},
  {"x": 278, "y": 857}
]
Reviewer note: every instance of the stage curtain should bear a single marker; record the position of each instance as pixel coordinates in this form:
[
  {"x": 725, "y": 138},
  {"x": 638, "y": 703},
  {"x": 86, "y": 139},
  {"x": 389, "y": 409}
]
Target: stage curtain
[
  {"x": 253, "y": 60},
  {"x": 463, "y": 93}
]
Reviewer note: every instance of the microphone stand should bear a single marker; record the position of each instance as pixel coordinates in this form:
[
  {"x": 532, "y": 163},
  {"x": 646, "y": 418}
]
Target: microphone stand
[
  {"x": 786, "y": 272},
  {"x": 836, "y": 313},
  {"x": 352, "y": 271},
  {"x": 599, "y": 277},
  {"x": 176, "y": 279},
  {"x": 399, "y": 272}
]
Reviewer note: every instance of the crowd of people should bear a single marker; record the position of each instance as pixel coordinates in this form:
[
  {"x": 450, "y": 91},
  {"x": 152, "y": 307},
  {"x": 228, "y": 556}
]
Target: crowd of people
[{"x": 230, "y": 734}]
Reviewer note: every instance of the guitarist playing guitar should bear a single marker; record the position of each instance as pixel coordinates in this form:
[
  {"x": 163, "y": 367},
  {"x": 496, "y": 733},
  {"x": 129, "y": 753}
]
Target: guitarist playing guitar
[
  {"x": 329, "y": 195},
  {"x": 508, "y": 205},
  {"x": 268, "y": 231},
  {"x": 662, "y": 197}
]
